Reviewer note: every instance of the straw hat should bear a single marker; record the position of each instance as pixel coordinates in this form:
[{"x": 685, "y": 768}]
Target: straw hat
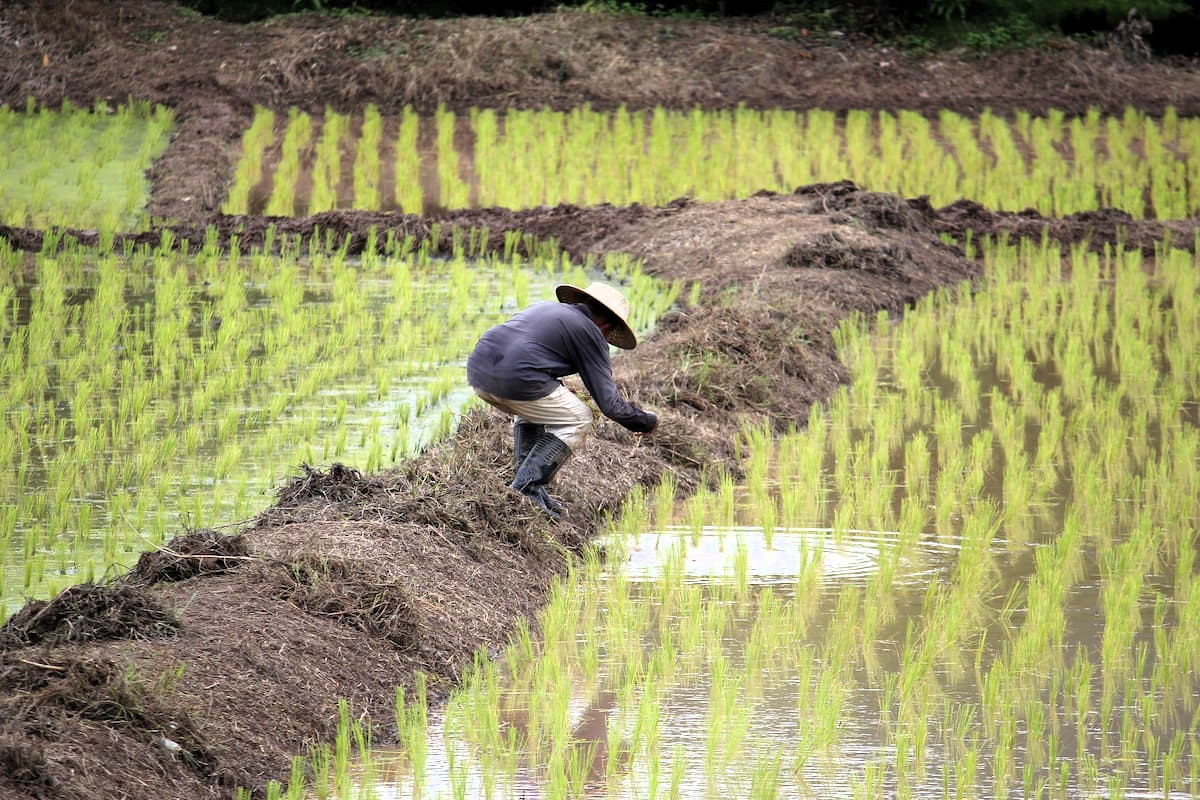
[{"x": 603, "y": 298}]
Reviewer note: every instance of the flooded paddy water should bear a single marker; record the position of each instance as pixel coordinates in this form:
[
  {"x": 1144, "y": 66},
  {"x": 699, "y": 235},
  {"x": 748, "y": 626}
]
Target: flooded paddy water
[{"x": 973, "y": 575}]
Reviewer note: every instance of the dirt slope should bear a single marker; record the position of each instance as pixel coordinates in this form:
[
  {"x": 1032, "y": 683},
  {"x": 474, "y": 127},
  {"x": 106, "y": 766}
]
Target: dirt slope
[{"x": 237, "y": 646}]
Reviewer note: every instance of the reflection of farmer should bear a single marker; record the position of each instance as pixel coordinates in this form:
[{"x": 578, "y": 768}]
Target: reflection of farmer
[{"x": 516, "y": 367}]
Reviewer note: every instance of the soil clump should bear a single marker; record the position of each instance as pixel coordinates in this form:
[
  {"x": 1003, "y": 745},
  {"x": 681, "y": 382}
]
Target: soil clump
[
  {"x": 87, "y": 612},
  {"x": 221, "y": 656},
  {"x": 188, "y": 555}
]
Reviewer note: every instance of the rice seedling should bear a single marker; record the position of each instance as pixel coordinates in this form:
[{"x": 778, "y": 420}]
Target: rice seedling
[{"x": 79, "y": 166}]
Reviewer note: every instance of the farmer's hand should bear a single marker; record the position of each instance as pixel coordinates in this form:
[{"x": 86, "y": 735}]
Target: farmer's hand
[{"x": 651, "y": 431}]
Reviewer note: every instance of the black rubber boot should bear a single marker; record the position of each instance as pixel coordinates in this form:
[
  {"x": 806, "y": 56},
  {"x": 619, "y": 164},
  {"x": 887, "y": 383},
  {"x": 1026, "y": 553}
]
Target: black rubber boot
[
  {"x": 547, "y": 457},
  {"x": 525, "y": 436},
  {"x": 545, "y": 498}
]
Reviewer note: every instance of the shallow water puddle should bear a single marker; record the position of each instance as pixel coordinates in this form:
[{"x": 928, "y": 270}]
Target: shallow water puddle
[
  {"x": 723, "y": 553},
  {"x": 716, "y": 709},
  {"x": 709, "y": 664}
]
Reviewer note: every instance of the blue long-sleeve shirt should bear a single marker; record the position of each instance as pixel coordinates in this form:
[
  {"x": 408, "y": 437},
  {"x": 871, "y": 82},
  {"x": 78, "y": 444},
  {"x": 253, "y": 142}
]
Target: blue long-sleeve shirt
[{"x": 524, "y": 358}]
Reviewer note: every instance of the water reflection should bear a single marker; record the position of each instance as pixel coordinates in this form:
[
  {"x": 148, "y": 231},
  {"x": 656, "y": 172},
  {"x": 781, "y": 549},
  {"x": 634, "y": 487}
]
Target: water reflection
[
  {"x": 455, "y": 768},
  {"x": 609, "y": 751},
  {"x": 641, "y": 725},
  {"x": 845, "y": 556}
]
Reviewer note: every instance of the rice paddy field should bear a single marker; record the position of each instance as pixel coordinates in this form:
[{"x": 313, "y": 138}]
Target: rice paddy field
[
  {"x": 971, "y": 574},
  {"x": 303, "y": 164},
  {"x": 154, "y": 390},
  {"x": 82, "y": 167}
]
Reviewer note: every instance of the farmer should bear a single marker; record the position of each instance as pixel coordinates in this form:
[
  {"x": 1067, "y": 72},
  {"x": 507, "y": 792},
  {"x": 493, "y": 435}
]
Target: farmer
[{"x": 517, "y": 366}]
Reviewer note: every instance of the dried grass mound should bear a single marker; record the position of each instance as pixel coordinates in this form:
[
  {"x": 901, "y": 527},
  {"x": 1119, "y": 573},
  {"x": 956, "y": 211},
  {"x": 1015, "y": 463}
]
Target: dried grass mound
[
  {"x": 349, "y": 592},
  {"x": 194, "y": 553},
  {"x": 26, "y": 767},
  {"x": 337, "y": 485},
  {"x": 88, "y": 612},
  {"x": 875, "y": 210},
  {"x": 849, "y": 249},
  {"x": 745, "y": 358},
  {"x": 36, "y": 698}
]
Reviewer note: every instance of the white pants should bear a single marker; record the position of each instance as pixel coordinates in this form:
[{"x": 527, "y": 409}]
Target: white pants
[{"x": 561, "y": 412}]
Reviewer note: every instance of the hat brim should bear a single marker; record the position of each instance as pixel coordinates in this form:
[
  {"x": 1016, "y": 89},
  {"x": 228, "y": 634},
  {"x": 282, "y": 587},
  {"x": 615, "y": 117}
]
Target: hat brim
[{"x": 621, "y": 335}]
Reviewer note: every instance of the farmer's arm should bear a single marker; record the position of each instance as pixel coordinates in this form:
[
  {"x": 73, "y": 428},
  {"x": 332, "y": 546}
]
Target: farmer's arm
[{"x": 595, "y": 369}]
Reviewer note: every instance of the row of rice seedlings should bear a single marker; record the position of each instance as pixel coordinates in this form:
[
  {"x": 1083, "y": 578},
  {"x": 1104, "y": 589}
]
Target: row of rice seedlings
[
  {"x": 296, "y": 138},
  {"x": 408, "y": 194},
  {"x": 80, "y": 167},
  {"x": 1055, "y": 164},
  {"x": 453, "y": 191},
  {"x": 327, "y": 163},
  {"x": 366, "y": 159},
  {"x": 316, "y": 169},
  {"x": 153, "y": 387},
  {"x": 255, "y": 142}
]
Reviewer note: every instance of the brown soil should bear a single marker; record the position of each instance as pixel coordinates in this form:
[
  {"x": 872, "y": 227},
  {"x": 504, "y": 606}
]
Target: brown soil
[{"x": 238, "y": 647}]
